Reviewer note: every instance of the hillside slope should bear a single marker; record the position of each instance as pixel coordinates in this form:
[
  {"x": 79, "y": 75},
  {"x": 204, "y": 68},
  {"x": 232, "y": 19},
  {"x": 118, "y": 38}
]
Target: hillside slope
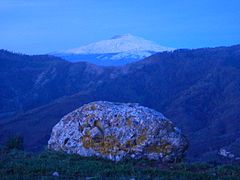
[
  {"x": 197, "y": 89},
  {"x": 30, "y": 81}
]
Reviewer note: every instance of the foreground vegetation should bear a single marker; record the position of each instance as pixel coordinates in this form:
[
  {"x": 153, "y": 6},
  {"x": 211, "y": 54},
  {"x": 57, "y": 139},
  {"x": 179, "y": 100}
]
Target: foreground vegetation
[{"x": 17, "y": 164}]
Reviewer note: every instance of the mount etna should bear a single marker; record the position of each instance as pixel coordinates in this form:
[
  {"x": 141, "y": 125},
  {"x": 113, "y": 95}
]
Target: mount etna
[{"x": 118, "y": 50}]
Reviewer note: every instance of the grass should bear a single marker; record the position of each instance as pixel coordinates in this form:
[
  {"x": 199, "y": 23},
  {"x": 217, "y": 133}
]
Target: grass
[{"x": 16, "y": 164}]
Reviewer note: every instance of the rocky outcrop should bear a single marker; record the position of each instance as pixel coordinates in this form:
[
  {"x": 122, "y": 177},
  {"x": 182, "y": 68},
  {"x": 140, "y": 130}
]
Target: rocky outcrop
[{"x": 118, "y": 131}]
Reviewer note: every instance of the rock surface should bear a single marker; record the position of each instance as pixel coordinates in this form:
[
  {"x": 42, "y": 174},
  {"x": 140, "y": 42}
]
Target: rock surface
[{"x": 118, "y": 131}]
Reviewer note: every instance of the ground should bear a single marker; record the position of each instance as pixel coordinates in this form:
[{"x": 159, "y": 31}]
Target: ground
[{"x": 16, "y": 164}]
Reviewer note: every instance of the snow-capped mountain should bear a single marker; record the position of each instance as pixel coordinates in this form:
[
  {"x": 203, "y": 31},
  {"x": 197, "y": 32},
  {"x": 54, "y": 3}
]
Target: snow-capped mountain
[{"x": 118, "y": 50}]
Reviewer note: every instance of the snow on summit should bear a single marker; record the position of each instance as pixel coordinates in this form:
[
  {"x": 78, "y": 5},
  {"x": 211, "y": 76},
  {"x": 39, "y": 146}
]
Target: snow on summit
[
  {"x": 119, "y": 44},
  {"x": 118, "y": 50}
]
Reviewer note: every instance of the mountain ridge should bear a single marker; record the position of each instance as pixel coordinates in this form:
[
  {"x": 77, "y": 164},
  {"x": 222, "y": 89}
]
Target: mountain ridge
[{"x": 197, "y": 89}]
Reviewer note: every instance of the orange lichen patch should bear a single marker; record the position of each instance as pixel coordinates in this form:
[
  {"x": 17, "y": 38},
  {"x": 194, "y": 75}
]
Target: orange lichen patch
[
  {"x": 110, "y": 145},
  {"x": 105, "y": 145},
  {"x": 164, "y": 148},
  {"x": 141, "y": 139},
  {"x": 87, "y": 141},
  {"x": 129, "y": 145}
]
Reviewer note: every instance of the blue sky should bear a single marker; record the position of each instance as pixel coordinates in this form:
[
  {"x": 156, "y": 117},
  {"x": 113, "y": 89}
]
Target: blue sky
[{"x": 42, "y": 26}]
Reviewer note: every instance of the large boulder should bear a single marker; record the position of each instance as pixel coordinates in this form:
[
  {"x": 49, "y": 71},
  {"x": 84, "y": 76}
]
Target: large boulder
[{"x": 118, "y": 131}]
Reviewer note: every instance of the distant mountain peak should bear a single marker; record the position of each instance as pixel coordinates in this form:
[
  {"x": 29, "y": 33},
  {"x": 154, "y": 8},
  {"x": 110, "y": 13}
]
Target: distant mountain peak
[
  {"x": 118, "y": 50},
  {"x": 119, "y": 44}
]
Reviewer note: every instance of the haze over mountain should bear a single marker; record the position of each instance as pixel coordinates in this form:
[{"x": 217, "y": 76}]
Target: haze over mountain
[
  {"x": 118, "y": 50},
  {"x": 199, "y": 90}
]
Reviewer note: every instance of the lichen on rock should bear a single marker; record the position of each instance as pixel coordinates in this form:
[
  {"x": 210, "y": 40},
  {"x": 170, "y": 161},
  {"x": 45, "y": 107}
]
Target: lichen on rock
[{"x": 118, "y": 131}]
